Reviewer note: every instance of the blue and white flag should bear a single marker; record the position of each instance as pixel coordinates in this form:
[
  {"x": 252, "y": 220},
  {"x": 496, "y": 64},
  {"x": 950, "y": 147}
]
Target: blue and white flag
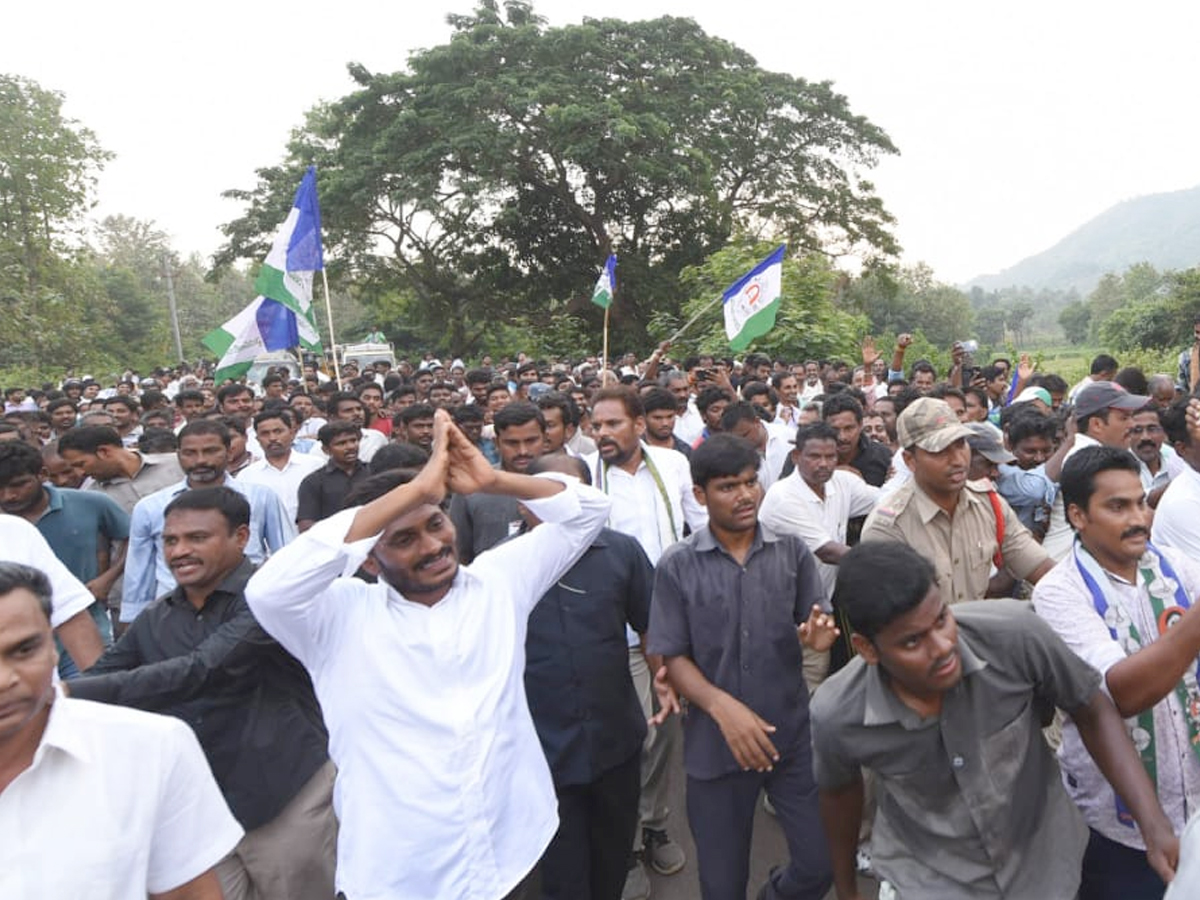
[
  {"x": 752, "y": 302},
  {"x": 602, "y": 294},
  {"x": 287, "y": 273}
]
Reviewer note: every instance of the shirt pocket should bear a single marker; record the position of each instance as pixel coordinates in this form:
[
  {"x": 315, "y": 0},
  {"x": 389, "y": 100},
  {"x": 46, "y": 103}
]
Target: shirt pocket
[{"x": 1003, "y": 752}]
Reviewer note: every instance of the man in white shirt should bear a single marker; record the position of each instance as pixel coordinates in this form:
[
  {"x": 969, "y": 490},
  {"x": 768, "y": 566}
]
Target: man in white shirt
[
  {"x": 442, "y": 786},
  {"x": 95, "y": 800},
  {"x": 816, "y": 503},
  {"x": 1103, "y": 416},
  {"x": 651, "y": 489},
  {"x": 1127, "y": 609},
  {"x": 282, "y": 468},
  {"x": 1175, "y": 520},
  {"x": 772, "y": 441},
  {"x": 1147, "y": 441}
]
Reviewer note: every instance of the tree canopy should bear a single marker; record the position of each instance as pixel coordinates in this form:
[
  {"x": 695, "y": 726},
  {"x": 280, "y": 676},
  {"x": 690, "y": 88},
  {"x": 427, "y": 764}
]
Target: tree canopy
[{"x": 489, "y": 179}]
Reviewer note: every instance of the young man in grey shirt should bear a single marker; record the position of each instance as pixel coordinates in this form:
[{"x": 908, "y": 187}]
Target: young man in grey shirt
[{"x": 946, "y": 709}]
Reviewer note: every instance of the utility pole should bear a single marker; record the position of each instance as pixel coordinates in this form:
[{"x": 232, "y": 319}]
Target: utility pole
[{"x": 171, "y": 305}]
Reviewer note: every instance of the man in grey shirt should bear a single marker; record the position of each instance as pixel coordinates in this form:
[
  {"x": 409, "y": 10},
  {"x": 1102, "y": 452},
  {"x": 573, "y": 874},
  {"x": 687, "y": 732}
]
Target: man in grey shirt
[{"x": 946, "y": 708}]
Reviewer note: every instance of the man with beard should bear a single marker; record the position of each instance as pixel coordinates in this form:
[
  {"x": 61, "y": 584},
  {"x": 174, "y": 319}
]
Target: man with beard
[
  {"x": 442, "y": 786},
  {"x": 653, "y": 500},
  {"x": 324, "y": 491},
  {"x": 282, "y": 468},
  {"x": 1126, "y": 608},
  {"x": 414, "y": 425},
  {"x": 204, "y": 457},
  {"x": 484, "y": 520},
  {"x": 845, "y": 415}
]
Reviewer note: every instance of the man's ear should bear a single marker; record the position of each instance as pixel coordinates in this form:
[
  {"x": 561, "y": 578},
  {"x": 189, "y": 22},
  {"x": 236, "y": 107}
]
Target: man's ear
[
  {"x": 864, "y": 648},
  {"x": 698, "y": 492},
  {"x": 1076, "y": 516},
  {"x": 371, "y": 566}
]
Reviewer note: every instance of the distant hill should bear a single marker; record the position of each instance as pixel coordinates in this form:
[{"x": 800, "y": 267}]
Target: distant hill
[{"x": 1161, "y": 229}]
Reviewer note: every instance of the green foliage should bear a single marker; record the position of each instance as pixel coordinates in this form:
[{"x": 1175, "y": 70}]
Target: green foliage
[
  {"x": 911, "y": 300},
  {"x": 989, "y": 324},
  {"x": 1160, "y": 320},
  {"x": 501, "y": 168},
  {"x": 1075, "y": 320},
  {"x": 809, "y": 324}
]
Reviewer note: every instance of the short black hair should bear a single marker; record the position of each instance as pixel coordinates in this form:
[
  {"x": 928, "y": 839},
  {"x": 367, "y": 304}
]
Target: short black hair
[
  {"x": 1174, "y": 423},
  {"x": 88, "y": 438},
  {"x": 742, "y": 411},
  {"x": 61, "y": 402},
  {"x": 1054, "y": 384},
  {"x": 232, "y": 390},
  {"x": 378, "y": 485},
  {"x": 467, "y": 412},
  {"x": 412, "y": 412},
  {"x": 402, "y": 455},
  {"x": 722, "y": 455},
  {"x": 17, "y": 459},
  {"x": 330, "y": 430},
  {"x": 658, "y": 398},
  {"x": 233, "y": 506},
  {"x": 1104, "y": 363},
  {"x": 560, "y": 462},
  {"x": 562, "y": 402},
  {"x": 840, "y": 403},
  {"x": 1078, "y": 479},
  {"x": 183, "y": 396},
  {"x": 817, "y": 431},
  {"x": 157, "y": 440},
  {"x": 14, "y": 576},
  {"x": 283, "y": 414},
  {"x": 1028, "y": 423},
  {"x": 879, "y": 581},
  {"x": 517, "y": 413},
  {"x": 711, "y": 395}
]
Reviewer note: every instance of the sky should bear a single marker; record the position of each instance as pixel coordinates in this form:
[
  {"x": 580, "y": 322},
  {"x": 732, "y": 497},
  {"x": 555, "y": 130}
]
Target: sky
[{"x": 1016, "y": 122}]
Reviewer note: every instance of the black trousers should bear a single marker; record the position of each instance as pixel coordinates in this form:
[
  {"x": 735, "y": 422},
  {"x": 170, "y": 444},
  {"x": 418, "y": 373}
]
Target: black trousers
[
  {"x": 721, "y": 816},
  {"x": 588, "y": 858}
]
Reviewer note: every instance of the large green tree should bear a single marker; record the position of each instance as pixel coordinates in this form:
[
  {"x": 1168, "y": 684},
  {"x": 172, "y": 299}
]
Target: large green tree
[{"x": 490, "y": 178}]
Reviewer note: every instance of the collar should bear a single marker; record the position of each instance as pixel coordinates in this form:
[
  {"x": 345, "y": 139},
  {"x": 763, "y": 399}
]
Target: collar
[
  {"x": 928, "y": 510},
  {"x": 56, "y": 498},
  {"x": 60, "y": 732},
  {"x": 359, "y": 465},
  {"x": 233, "y": 583},
  {"x": 883, "y": 707},
  {"x": 706, "y": 542}
]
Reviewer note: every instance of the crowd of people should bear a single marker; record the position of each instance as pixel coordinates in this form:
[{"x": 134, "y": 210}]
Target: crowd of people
[{"x": 432, "y": 631}]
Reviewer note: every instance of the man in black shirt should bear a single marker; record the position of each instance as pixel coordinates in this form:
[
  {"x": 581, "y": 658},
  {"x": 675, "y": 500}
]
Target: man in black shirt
[
  {"x": 855, "y": 449},
  {"x": 585, "y": 708},
  {"x": 200, "y": 655},
  {"x": 323, "y": 492}
]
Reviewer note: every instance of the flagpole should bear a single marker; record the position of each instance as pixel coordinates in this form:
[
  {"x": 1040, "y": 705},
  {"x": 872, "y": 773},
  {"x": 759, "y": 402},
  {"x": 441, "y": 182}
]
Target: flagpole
[
  {"x": 337, "y": 369},
  {"x": 692, "y": 321},
  {"x": 604, "y": 351}
]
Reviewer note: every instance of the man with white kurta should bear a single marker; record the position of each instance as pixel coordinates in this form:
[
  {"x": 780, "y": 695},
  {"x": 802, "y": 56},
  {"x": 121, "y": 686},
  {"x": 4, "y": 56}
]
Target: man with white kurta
[{"x": 442, "y": 786}]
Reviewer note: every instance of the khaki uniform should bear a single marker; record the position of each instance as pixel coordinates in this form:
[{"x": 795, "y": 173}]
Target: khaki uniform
[{"x": 961, "y": 549}]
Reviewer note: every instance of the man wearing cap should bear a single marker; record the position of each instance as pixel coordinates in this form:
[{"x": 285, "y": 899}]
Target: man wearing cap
[
  {"x": 1103, "y": 416},
  {"x": 963, "y": 527}
]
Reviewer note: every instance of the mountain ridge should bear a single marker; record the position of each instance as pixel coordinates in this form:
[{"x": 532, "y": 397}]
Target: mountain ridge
[{"x": 1161, "y": 229}]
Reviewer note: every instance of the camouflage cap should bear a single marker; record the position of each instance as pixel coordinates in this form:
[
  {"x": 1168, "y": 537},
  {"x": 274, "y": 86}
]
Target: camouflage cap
[{"x": 929, "y": 424}]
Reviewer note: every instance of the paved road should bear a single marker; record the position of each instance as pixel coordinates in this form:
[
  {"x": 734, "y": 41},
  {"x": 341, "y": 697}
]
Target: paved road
[{"x": 769, "y": 849}]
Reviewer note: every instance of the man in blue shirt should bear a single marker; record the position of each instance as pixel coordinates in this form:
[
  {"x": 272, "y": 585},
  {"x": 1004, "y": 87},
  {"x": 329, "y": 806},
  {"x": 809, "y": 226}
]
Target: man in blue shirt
[
  {"x": 83, "y": 528},
  {"x": 204, "y": 457}
]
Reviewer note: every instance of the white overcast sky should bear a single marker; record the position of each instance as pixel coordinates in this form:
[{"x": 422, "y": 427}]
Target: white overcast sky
[{"x": 1016, "y": 122}]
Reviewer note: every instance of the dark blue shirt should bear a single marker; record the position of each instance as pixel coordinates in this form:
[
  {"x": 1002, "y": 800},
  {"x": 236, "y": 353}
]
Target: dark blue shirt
[
  {"x": 577, "y": 680},
  {"x": 738, "y": 624},
  {"x": 74, "y": 523}
]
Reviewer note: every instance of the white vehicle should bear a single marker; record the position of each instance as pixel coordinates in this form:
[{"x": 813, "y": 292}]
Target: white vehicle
[
  {"x": 366, "y": 355},
  {"x": 264, "y": 362}
]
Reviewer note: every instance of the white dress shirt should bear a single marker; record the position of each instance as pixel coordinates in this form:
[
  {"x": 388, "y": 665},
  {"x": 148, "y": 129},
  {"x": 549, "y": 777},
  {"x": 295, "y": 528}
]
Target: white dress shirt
[
  {"x": 792, "y": 507},
  {"x": 1064, "y": 601},
  {"x": 442, "y": 787},
  {"x": 1176, "y": 521},
  {"x": 638, "y": 507},
  {"x": 21, "y": 542},
  {"x": 690, "y": 425},
  {"x": 117, "y": 804},
  {"x": 286, "y": 481},
  {"x": 779, "y": 447}
]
